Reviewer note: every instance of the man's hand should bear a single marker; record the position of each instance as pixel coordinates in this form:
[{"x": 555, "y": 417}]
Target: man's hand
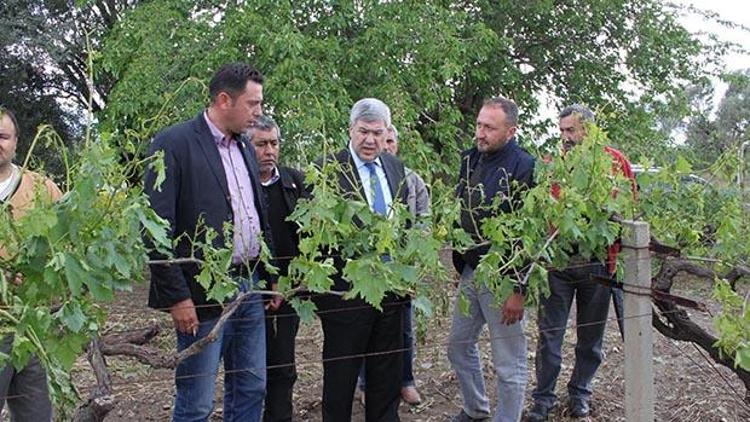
[
  {"x": 184, "y": 317},
  {"x": 512, "y": 311},
  {"x": 276, "y": 300}
]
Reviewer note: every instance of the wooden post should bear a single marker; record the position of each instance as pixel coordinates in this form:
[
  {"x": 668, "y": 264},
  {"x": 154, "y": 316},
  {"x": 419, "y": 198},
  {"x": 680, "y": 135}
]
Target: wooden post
[{"x": 639, "y": 370}]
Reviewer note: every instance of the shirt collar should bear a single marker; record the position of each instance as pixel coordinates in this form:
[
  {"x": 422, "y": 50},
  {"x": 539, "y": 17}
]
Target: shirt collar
[
  {"x": 275, "y": 176},
  {"x": 13, "y": 170},
  {"x": 358, "y": 163},
  {"x": 215, "y": 132}
]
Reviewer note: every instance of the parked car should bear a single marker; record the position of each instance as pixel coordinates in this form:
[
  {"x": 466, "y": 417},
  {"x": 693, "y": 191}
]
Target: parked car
[{"x": 645, "y": 176}]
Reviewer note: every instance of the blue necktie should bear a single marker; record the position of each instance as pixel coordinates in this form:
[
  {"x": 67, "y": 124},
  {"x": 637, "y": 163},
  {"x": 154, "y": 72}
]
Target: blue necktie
[{"x": 378, "y": 200}]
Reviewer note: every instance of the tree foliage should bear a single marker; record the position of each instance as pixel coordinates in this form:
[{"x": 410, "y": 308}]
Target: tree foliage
[
  {"x": 706, "y": 219},
  {"x": 44, "y": 72},
  {"x": 434, "y": 62},
  {"x": 72, "y": 255},
  {"x": 709, "y": 135},
  {"x": 23, "y": 91},
  {"x": 52, "y": 37}
]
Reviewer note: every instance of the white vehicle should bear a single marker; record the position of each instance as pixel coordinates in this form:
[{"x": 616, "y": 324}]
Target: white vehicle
[{"x": 686, "y": 179}]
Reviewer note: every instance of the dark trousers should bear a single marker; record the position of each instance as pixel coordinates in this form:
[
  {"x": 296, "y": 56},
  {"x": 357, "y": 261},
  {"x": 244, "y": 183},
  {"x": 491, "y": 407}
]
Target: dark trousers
[
  {"x": 592, "y": 307},
  {"x": 281, "y": 330},
  {"x": 25, "y": 390},
  {"x": 409, "y": 345},
  {"x": 408, "y": 324},
  {"x": 349, "y": 334}
]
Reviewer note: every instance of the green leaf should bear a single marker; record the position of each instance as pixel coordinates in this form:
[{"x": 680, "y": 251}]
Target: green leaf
[
  {"x": 369, "y": 284},
  {"x": 742, "y": 358},
  {"x": 72, "y": 316},
  {"x": 304, "y": 308},
  {"x": 155, "y": 226},
  {"x": 682, "y": 165},
  {"x": 423, "y": 304},
  {"x": 74, "y": 274}
]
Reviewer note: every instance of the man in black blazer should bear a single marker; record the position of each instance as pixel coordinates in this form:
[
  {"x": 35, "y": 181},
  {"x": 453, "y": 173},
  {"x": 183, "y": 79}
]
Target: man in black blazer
[
  {"x": 352, "y": 328},
  {"x": 212, "y": 179},
  {"x": 283, "y": 187}
]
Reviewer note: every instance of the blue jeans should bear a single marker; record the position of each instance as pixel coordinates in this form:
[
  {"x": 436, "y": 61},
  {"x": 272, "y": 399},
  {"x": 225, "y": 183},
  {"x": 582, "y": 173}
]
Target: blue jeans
[
  {"x": 508, "y": 344},
  {"x": 592, "y": 304},
  {"x": 242, "y": 345},
  {"x": 408, "y": 379}
]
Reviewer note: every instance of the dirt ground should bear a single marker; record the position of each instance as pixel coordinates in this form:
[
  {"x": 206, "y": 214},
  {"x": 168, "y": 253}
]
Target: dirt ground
[{"x": 688, "y": 387}]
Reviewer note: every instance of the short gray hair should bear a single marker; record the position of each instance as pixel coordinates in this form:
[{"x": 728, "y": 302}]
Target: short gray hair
[
  {"x": 393, "y": 129},
  {"x": 583, "y": 113},
  {"x": 370, "y": 110},
  {"x": 264, "y": 123},
  {"x": 508, "y": 106}
]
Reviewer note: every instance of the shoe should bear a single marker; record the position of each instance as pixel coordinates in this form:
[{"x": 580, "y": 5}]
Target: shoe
[
  {"x": 579, "y": 408},
  {"x": 538, "y": 413},
  {"x": 410, "y": 395},
  {"x": 463, "y": 417}
]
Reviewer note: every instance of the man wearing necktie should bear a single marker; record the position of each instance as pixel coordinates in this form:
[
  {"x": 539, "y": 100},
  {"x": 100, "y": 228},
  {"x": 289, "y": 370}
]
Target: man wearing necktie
[{"x": 351, "y": 327}]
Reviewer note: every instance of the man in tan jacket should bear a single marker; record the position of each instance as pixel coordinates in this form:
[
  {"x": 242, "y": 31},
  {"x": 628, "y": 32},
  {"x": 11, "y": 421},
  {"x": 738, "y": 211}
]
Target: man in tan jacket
[{"x": 25, "y": 390}]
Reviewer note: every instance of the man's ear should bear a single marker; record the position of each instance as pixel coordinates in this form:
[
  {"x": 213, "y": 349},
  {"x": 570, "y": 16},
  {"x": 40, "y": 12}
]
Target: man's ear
[{"x": 223, "y": 100}]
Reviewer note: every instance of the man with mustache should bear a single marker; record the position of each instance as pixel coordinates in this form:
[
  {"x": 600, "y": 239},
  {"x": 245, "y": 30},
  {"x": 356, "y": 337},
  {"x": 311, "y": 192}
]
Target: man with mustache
[
  {"x": 592, "y": 299},
  {"x": 282, "y": 186}
]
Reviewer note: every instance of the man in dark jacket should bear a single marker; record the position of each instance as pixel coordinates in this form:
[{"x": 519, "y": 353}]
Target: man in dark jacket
[
  {"x": 351, "y": 327},
  {"x": 212, "y": 179},
  {"x": 495, "y": 167},
  {"x": 282, "y": 186}
]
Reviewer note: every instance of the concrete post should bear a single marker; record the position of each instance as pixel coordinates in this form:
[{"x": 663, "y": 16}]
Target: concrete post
[{"x": 639, "y": 371}]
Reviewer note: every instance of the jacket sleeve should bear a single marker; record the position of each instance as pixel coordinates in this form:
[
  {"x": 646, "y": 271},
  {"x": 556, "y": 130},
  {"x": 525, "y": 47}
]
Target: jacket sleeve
[
  {"x": 299, "y": 180},
  {"x": 418, "y": 191},
  {"x": 168, "y": 282}
]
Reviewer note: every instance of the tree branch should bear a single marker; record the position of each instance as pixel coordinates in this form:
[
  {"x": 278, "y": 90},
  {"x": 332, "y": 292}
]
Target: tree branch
[
  {"x": 678, "y": 324},
  {"x": 100, "y": 401}
]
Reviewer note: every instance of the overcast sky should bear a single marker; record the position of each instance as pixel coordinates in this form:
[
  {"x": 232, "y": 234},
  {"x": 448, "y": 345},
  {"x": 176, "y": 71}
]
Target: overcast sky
[{"x": 737, "y": 11}]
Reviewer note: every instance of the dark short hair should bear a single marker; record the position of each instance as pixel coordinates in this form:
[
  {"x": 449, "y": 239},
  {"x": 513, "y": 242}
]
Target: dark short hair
[
  {"x": 232, "y": 79},
  {"x": 584, "y": 113},
  {"x": 8, "y": 112},
  {"x": 508, "y": 106}
]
